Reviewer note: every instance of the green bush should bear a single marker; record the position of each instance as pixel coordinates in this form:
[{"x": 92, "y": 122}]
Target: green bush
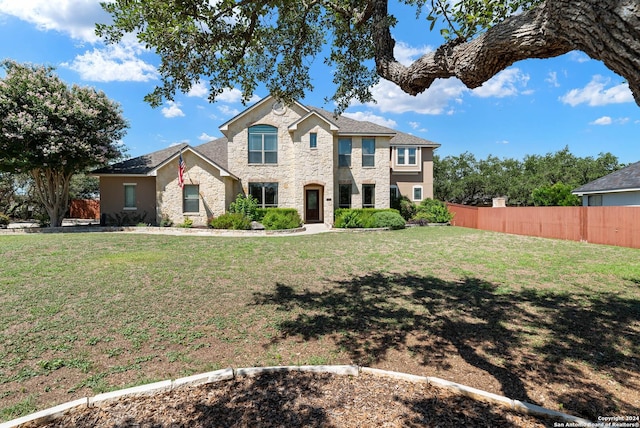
[
  {"x": 407, "y": 208},
  {"x": 187, "y": 223},
  {"x": 4, "y": 219},
  {"x": 432, "y": 211},
  {"x": 245, "y": 205},
  {"x": 281, "y": 218},
  {"x": 357, "y": 217},
  {"x": 260, "y": 212},
  {"x": 233, "y": 221},
  {"x": 392, "y": 220}
]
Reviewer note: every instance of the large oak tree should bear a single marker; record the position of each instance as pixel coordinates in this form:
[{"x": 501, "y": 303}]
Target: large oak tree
[
  {"x": 52, "y": 131},
  {"x": 244, "y": 42}
]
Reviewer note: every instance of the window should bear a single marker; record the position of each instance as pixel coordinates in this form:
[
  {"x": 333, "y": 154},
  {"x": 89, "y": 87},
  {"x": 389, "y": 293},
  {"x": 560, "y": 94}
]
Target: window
[
  {"x": 394, "y": 193},
  {"x": 191, "y": 198},
  {"x": 313, "y": 140},
  {"x": 368, "y": 152},
  {"x": 595, "y": 200},
  {"x": 265, "y": 193},
  {"x": 344, "y": 196},
  {"x": 263, "y": 144},
  {"x": 406, "y": 156},
  {"x": 129, "y": 196},
  {"x": 368, "y": 196},
  {"x": 344, "y": 152},
  {"x": 417, "y": 193}
]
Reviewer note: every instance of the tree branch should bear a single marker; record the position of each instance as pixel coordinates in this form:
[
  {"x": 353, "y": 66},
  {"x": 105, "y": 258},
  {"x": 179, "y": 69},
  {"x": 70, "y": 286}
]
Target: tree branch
[{"x": 604, "y": 31}]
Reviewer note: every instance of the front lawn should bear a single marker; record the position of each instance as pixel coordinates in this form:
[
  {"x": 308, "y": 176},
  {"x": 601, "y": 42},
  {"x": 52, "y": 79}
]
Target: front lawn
[{"x": 555, "y": 323}]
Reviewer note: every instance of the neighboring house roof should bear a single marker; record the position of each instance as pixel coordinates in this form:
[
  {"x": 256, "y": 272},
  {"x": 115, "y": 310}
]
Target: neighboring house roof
[
  {"x": 625, "y": 180},
  {"x": 148, "y": 164}
]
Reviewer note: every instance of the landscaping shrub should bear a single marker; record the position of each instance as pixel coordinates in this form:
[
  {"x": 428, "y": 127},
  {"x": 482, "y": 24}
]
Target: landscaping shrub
[
  {"x": 233, "y": 221},
  {"x": 432, "y": 211},
  {"x": 166, "y": 221},
  {"x": 392, "y": 220},
  {"x": 358, "y": 217},
  {"x": 245, "y": 205},
  {"x": 406, "y": 208},
  {"x": 4, "y": 220},
  {"x": 187, "y": 223},
  {"x": 260, "y": 212},
  {"x": 126, "y": 219},
  {"x": 281, "y": 218}
]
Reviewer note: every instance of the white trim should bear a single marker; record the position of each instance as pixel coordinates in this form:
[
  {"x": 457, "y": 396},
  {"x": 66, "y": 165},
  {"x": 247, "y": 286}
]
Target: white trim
[
  {"x": 294, "y": 126},
  {"x": 604, "y": 192},
  {"x": 407, "y": 148},
  {"x": 413, "y": 193}
]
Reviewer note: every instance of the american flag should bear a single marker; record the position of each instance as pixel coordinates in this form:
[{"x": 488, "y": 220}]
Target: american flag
[{"x": 181, "y": 167}]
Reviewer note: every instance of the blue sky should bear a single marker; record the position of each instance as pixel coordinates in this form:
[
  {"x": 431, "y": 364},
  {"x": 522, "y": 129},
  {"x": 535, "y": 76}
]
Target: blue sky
[{"x": 533, "y": 107}]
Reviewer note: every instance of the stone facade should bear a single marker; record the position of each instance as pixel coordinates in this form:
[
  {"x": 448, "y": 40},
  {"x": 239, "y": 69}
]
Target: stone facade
[
  {"x": 212, "y": 186},
  {"x": 301, "y": 167}
]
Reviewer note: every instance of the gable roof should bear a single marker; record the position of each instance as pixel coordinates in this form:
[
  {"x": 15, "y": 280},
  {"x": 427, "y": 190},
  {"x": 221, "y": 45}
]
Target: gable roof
[
  {"x": 624, "y": 180},
  {"x": 148, "y": 164},
  {"x": 347, "y": 126}
]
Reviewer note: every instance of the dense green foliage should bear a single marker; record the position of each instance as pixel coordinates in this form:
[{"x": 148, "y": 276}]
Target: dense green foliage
[
  {"x": 233, "y": 221},
  {"x": 245, "y": 205},
  {"x": 432, "y": 211},
  {"x": 4, "y": 219},
  {"x": 466, "y": 180},
  {"x": 234, "y": 44},
  {"x": 390, "y": 219},
  {"x": 557, "y": 195},
  {"x": 281, "y": 218},
  {"x": 351, "y": 218}
]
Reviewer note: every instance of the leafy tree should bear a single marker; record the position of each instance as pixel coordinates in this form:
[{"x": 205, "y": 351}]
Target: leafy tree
[
  {"x": 241, "y": 43},
  {"x": 558, "y": 194},
  {"x": 53, "y": 131},
  {"x": 464, "y": 179}
]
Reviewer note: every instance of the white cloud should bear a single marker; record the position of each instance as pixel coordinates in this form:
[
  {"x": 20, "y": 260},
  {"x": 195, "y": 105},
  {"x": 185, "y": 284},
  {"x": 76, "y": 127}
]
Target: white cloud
[
  {"x": 504, "y": 84},
  {"x": 173, "y": 110},
  {"x": 578, "y": 56},
  {"x": 414, "y": 125},
  {"x": 604, "y": 120},
  {"x": 552, "y": 79},
  {"x": 595, "y": 94},
  {"x": 370, "y": 117},
  {"x": 435, "y": 100},
  {"x": 74, "y": 17},
  {"x": 235, "y": 96},
  {"x": 199, "y": 90},
  {"x": 206, "y": 137},
  {"x": 406, "y": 54},
  {"x": 607, "y": 120},
  {"x": 228, "y": 111},
  {"x": 504, "y": 142},
  {"x": 114, "y": 63}
]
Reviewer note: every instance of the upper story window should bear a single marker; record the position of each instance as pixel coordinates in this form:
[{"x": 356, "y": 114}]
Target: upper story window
[
  {"x": 313, "y": 140},
  {"x": 263, "y": 144},
  {"x": 406, "y": 156},
  {"x": 368, "y": 152},
  {"x": 344, "y": 152}
]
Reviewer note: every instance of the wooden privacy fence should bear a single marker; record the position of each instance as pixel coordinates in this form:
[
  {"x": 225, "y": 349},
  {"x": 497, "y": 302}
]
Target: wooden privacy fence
[
  {"x": 84, "y": 209},
  {"x": 618, "y": 226}
]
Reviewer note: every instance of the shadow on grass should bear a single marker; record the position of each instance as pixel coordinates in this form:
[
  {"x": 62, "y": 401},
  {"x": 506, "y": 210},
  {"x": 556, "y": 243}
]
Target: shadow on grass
[{"x": 519, "y": 338}]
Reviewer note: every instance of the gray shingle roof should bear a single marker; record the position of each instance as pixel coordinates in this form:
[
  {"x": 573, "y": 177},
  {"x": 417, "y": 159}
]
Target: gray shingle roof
[
  {"x": 361, "y": 127},
  {"x": 141, "y": 164},
  {"x": 626, "y": 178},
  {"x": 216, "y": 151}
]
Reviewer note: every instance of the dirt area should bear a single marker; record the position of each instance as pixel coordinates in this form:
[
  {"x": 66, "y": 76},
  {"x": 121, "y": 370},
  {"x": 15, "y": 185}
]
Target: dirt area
[{"x": 295, "y": 399}]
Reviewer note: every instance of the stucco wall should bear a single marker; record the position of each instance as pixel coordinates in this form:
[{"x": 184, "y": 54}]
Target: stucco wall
[
  {"x": 213, "y": 190},
  {"x": 112, "y": 197},
  {"x": 406, "y": 181},
  {"x": 616, "y": 199}
]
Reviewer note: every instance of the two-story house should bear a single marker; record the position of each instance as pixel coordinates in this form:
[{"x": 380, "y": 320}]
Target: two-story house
[{"x": 285, "y": 156}]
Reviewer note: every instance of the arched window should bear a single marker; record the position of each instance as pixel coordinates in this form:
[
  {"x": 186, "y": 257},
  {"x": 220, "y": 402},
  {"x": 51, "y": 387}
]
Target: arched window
[{"x": 263, "y": 144}]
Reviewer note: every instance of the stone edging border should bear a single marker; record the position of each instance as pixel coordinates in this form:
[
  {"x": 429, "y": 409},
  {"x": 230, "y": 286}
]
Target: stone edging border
[{"x": 53, "y": 413}]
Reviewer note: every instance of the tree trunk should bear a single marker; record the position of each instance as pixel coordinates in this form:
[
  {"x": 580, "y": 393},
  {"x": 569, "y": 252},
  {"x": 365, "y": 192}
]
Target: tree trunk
[
  {"x": 606, "y": 30},
  {"x": 52, "y": 187}
]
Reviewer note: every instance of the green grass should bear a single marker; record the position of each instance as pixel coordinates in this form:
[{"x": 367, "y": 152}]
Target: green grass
[{"x": 88, "y": 313}]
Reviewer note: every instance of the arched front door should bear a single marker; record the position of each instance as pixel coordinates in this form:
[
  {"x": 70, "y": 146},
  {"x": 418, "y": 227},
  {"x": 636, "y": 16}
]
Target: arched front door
[{"x": 312, "y": 205}]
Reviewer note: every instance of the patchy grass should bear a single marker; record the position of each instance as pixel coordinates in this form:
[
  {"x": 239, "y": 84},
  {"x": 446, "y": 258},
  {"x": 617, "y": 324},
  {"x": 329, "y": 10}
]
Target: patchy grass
[{"x": 551, "y": 322}]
